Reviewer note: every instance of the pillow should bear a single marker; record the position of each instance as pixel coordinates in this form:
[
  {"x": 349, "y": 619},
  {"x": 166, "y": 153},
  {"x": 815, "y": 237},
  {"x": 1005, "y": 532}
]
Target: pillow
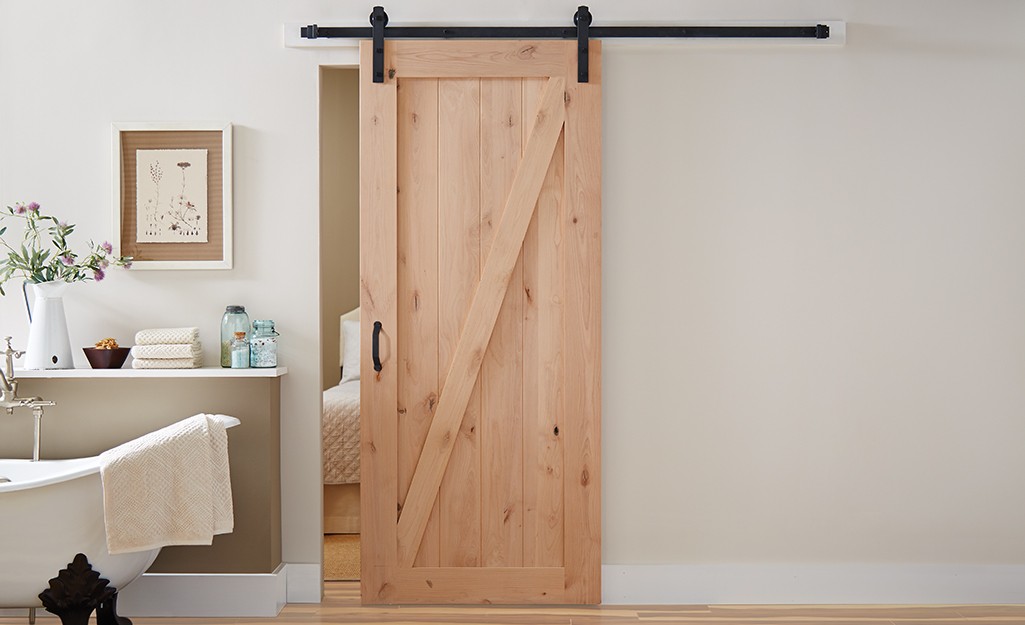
[
  {"x": 350, "y": 359},
  {"x": 352, "y": 315}
]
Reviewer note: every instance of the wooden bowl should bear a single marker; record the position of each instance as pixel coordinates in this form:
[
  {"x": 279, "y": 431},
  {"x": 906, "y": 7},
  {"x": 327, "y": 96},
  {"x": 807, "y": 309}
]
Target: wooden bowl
[{"x": 106, "y": 358}]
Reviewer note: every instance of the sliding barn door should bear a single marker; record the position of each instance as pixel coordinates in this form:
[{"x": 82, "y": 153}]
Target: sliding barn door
[{"x": 480, "y": 277}]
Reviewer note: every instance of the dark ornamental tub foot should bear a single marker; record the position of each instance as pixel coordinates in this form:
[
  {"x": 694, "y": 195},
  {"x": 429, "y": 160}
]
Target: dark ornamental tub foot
[
  {"x": 76, "y": 592},
  {"x": 106, "y": 614}
]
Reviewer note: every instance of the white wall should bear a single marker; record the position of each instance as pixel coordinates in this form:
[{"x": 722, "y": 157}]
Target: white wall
[
  {"x": 814, "y": 257},
  {"x": 813, "y": 294}
]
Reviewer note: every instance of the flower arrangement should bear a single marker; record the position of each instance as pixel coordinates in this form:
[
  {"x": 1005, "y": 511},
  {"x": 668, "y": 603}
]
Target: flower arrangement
[{"x": 36, "y": 262}]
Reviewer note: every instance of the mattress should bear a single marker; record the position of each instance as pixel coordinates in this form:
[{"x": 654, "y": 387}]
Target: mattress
[{"x": 340, "y": 427}]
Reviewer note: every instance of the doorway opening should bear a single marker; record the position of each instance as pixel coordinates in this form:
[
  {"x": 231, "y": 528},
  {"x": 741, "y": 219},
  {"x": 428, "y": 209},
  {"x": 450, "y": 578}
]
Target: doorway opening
[{"x": 339, "y": 298}]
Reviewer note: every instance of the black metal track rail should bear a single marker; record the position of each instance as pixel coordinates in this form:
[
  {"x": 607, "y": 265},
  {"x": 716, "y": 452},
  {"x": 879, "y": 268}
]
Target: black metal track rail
[
  {"x": 820, "y": 31},
  {"x": 582, "y": 31}
]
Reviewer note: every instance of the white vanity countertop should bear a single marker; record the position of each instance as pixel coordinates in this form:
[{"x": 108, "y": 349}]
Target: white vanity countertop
[{"x": 128, "y": 372}]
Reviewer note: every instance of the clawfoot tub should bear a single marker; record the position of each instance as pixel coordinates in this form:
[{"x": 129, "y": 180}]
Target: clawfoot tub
[{"x": 50, "y": 511}]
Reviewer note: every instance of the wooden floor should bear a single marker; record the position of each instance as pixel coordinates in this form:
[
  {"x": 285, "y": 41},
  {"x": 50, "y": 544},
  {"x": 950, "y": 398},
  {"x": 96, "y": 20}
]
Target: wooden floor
[{"x": 341, "y": 605}]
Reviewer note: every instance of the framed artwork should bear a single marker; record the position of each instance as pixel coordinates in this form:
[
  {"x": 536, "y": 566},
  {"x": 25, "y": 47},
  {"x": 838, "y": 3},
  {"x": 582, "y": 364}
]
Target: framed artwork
[{"x": 172, "y": 194}]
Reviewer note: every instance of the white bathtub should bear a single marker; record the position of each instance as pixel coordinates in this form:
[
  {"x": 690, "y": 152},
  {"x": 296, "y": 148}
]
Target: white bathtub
[{"x": 50, "y": 511}]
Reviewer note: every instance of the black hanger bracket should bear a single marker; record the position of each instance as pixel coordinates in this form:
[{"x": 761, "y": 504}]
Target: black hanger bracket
[
  {"x": 582, "y": 19},
  {"x": 378, "y": 20}
]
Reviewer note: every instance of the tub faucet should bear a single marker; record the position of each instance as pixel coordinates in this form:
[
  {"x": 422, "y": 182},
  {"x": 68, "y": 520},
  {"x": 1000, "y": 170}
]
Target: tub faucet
[
  {"x": 8, "y": 385},
  {"x": 7, "y": 382},
  {"x": 9, "y": 399}
]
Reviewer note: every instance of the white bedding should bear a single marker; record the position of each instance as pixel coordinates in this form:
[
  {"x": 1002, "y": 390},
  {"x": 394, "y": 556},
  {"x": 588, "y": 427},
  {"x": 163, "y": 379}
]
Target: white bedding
[{"x": 341, "y": 433}]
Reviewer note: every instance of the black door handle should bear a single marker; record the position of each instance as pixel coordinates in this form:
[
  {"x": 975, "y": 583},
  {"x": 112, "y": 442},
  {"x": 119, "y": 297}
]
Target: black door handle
[{"x": 377, "y": 346}]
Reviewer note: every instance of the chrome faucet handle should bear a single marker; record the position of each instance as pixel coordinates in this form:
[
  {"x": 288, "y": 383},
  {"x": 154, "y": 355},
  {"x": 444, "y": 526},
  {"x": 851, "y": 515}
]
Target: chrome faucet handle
[
  {"x": 11, "y": 354},
  {"x": 11, "y": 350}
]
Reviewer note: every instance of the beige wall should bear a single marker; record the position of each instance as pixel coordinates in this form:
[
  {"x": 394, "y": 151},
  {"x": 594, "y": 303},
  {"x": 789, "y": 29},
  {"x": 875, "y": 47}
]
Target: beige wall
[
  {"x": 813, "y": 340},
  {"x": 339, "y": 208}
]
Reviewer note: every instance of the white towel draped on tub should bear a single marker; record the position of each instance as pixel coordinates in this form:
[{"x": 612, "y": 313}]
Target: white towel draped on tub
[{"x": 169, "y": 487}]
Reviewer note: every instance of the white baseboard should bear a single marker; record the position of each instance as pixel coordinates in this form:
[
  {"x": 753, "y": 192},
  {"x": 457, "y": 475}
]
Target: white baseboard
[
  {"x": 205, "y": 595},
  {"x": 811, "y": 584},
  {"x": 21, "y": 613},
  {"x": 305, "y": 583},
  {"x": 255, "y": 595},
  {"x": 200, "y": 595}
]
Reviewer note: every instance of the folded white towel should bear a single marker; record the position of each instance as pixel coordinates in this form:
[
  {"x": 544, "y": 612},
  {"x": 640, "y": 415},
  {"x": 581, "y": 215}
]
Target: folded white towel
[
  {"x": 169, "y": 487},
  {"x": 179, "y": 350},
  {"x": 168, "y": 363},
  {"x": 167, "y": 336}
]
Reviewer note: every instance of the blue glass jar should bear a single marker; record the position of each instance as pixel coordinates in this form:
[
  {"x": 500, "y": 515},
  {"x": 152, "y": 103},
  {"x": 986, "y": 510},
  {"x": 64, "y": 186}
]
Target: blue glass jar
[
  {"x": 234, "y": 320},
  {"x": 263, "y": 346}
]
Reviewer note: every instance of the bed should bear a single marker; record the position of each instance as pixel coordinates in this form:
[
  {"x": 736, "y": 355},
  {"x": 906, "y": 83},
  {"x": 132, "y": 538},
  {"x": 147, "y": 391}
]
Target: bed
[{"x": 340, "y": 435}]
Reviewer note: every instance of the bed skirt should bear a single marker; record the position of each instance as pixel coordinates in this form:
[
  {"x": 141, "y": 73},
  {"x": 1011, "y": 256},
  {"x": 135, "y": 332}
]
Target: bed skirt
[{"x": 341, "y": 508}]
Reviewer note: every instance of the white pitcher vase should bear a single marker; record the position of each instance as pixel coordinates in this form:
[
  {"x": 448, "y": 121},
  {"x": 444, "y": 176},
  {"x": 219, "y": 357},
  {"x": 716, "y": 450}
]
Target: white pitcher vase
[{"x": 48, "y": 344}]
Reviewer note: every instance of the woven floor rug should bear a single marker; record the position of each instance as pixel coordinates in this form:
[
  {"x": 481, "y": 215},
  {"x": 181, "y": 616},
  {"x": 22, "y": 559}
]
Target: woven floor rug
[{"x": 341, "y": 557}]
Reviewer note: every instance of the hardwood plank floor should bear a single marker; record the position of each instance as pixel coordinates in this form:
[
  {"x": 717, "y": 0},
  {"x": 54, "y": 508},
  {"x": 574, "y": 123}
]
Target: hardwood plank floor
[{"x": 341, "y": 605}]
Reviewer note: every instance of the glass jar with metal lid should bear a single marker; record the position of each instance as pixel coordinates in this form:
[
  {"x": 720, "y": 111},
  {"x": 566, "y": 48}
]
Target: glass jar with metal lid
[
  {"x": 234, "y": 320},
  {"x": 263, "y": 346}
]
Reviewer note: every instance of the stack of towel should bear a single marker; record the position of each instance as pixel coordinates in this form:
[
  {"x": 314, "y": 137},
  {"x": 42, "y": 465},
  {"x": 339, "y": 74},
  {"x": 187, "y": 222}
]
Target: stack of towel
[{"x": 167, "y": 348}]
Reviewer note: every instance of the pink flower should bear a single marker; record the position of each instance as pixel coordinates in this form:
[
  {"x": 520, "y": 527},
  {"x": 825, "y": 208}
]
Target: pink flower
[
  {"x": 68, "y": 259},
  {"x": 98, "y": 274},
  {"x": 104, "y": 264},
  {"x": 107, "y": 247},
  {"x": 33, "y": 207},
  {"x": 19, "y": 209},
  {"x": 128, "y": 265}
]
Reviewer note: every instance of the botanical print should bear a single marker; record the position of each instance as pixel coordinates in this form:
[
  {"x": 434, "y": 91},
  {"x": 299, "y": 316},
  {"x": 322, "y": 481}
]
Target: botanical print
[{"x": 170, "y": 192}]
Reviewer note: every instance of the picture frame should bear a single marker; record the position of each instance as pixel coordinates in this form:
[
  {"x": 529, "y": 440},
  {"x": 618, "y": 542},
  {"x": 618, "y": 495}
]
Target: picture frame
[{"x": 167, "y": 213}]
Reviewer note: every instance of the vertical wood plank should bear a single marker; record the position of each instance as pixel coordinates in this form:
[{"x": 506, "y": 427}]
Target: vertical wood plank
[
  {"x": 459, "y": 272},
  {"x": 378, "y": 419},
  {"x": 543, "y": 361},
  {"x": 501, "y": 380},
  {"x": 418, "y": 383},
  {"x": 583, "y": 331},
  {"x": 531, "y": 94},
  {"x": 551, "y": 370}
]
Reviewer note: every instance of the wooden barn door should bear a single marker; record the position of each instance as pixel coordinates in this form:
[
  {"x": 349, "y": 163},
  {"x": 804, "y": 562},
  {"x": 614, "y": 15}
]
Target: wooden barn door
[{"x": 480, "y": 274}]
